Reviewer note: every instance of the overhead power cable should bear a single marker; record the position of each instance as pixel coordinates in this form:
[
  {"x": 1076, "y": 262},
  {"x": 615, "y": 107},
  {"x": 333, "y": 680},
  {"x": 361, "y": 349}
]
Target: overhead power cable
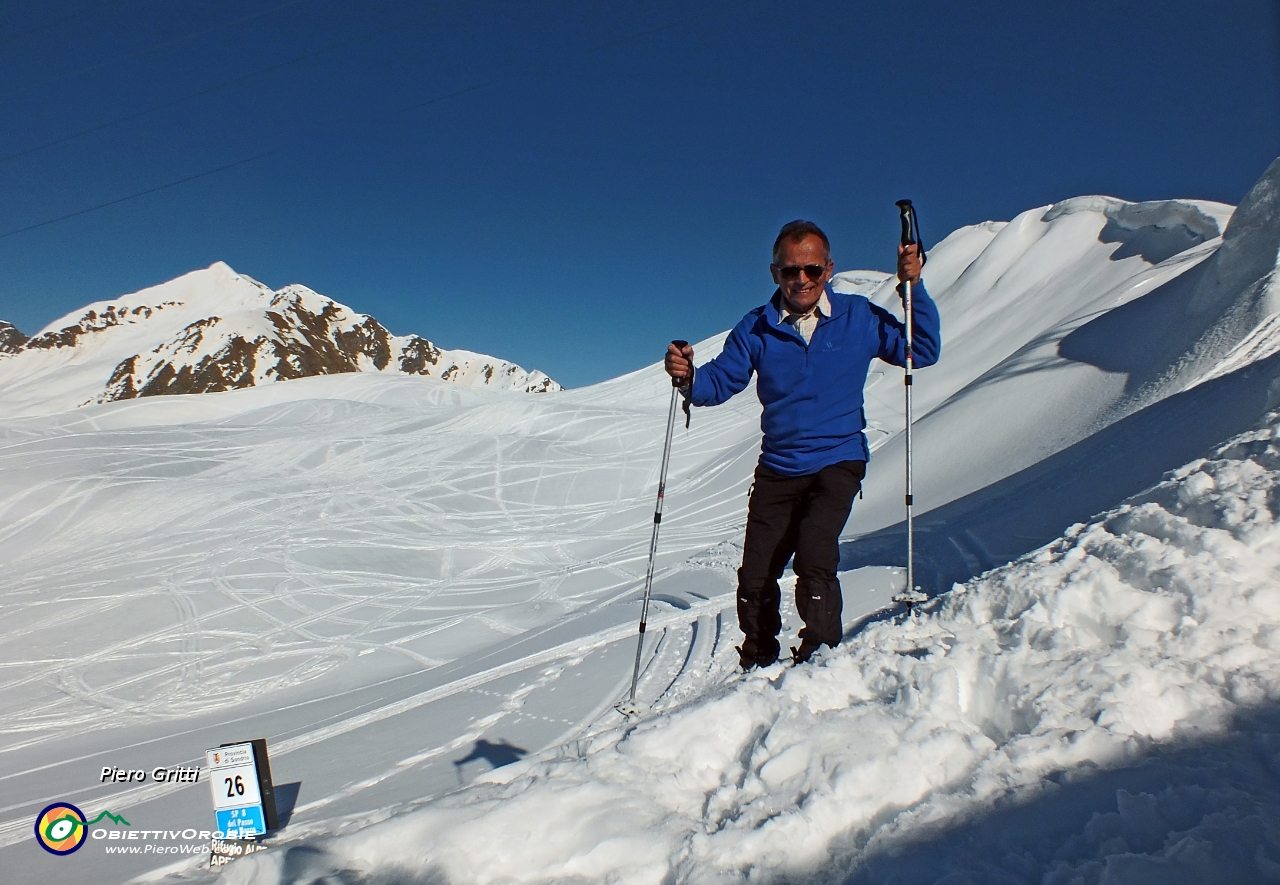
[
  {"x": 234, "y": 81},
  {"x": 134, "y": 196},
  {"x": 416, "y": 106}
]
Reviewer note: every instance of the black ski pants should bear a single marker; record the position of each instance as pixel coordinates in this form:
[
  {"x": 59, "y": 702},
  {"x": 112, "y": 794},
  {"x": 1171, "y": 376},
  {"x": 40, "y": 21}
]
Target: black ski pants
[{"x": 800, "y": 515}]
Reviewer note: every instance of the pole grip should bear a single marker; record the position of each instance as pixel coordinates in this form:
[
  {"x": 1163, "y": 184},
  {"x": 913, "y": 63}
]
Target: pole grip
[
  {"x": 905, "y": 211},
  {"x": 680, "y": 344}
]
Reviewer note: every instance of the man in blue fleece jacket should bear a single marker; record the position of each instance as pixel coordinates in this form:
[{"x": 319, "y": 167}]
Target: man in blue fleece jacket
[{"x": 810, "y": 349}]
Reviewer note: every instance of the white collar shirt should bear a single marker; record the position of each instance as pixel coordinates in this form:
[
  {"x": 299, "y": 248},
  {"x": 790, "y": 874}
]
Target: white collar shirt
[{"x": 805, "y": 323}]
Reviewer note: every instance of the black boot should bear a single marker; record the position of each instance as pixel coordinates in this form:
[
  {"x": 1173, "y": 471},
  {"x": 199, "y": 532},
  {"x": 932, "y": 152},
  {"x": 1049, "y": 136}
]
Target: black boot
[
  {"x": 805, "y": 651},
  {"x": 752, "y": 655}
]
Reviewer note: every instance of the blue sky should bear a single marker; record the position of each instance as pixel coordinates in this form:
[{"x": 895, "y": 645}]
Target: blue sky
[{"x": 569, "y": 185}]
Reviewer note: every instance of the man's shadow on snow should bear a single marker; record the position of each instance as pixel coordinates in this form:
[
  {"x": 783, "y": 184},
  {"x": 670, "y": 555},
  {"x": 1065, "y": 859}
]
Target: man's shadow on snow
[{"x": 497, "y": 755}]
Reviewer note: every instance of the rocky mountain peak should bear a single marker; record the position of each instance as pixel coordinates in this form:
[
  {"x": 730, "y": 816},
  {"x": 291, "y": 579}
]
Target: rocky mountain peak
[
  {"x": 214, "y": 330},
  {"x": 11, "y": 340}
]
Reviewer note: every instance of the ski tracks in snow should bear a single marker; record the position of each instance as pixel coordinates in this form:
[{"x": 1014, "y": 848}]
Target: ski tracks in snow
[
  {"x": 422, "y": 588},
  {"x": 681, "y": 655}
]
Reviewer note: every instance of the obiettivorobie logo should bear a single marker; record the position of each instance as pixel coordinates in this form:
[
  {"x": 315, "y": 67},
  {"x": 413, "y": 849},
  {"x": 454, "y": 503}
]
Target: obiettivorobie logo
[{"x": 62, "y": 828}]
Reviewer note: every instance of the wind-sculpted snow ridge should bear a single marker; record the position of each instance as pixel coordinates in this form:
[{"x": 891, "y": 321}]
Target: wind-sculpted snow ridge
[
  {"x": 1029, "y": 343},
  {"x": 1084, "y": 356},
  {"x": 1102, "y": 710},
  {"x": 214, "y": 330}
]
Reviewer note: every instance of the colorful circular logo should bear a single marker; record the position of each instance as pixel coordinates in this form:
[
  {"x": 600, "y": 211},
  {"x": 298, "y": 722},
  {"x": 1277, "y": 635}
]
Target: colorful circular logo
[{"x": 60, "y": 828}]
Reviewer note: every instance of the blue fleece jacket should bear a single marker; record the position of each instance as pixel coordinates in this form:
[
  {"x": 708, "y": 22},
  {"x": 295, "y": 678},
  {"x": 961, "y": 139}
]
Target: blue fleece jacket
[{"x": 812, "y": 393}]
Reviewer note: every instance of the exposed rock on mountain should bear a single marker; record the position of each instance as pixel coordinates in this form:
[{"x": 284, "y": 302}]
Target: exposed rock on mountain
[
  {"x": 11, "y": 340},
  {"x": 214, "y": 330}
]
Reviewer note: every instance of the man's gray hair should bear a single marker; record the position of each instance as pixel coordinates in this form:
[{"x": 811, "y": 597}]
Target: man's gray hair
[{"x": 796, "y": 231}]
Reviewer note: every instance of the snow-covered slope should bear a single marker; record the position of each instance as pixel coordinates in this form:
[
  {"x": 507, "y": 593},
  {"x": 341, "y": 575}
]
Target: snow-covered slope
[
  {"x": 1077, "y": 340},
  {"x": 1104, "y": 710},
  {"x": 407, "y": 586},
  {"x": 214, "y": 330},
  {"x": 1010, "y": 296}
]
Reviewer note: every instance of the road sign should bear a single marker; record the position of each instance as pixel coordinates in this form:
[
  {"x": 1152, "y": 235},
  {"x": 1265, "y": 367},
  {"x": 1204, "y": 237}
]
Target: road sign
[{"x": 243, "y": 795}]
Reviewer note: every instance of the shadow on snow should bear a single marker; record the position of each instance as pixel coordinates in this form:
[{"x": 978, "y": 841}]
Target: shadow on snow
[{"x": 1189, "y": 811}]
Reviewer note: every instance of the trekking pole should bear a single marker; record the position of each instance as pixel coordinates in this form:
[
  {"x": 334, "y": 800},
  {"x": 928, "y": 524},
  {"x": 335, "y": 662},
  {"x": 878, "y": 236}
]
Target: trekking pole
[
  {"x": 628, "y": 707},
  {"x": 910, "y": 236}
]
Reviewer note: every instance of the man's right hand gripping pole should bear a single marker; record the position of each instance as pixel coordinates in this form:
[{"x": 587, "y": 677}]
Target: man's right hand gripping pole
[{"x": 679, "y": 363}]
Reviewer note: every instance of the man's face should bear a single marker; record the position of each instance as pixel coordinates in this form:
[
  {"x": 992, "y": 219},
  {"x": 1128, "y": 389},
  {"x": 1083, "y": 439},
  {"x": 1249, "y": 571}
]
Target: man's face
[{"x": 800, "y": 292}]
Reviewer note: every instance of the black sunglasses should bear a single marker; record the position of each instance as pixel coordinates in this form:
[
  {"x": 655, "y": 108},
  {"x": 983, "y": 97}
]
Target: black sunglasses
[{"x": 792, "y": 271}]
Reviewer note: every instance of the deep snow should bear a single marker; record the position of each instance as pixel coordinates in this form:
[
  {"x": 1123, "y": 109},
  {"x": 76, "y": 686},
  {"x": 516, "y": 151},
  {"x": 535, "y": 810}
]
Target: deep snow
[
  {"x": 1111, "y": 696},
  {"x": 425, "y": 598}
]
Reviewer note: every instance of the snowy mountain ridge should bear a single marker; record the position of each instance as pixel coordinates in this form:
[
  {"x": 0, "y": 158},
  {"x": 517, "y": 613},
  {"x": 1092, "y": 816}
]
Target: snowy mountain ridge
[{"x": 214, "y": 330}]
